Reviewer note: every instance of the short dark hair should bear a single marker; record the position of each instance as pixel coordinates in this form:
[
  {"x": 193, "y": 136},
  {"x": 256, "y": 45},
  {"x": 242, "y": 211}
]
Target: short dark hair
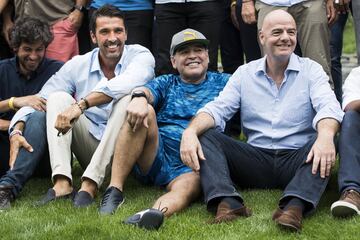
[
  {"x": 106, "y": 10},
  {"x": 30, "y": 30}
]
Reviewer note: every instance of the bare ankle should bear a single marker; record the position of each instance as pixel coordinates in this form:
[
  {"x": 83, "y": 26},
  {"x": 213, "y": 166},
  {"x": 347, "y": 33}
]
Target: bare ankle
[
  {"x": 62, "y": 185},
  {"x": 89, "y": 186}
]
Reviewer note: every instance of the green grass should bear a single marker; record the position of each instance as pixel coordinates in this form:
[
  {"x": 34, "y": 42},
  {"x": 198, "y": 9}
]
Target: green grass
[
  {"x": 349, "y": 44},
  {"x": 59, "y": 220}
]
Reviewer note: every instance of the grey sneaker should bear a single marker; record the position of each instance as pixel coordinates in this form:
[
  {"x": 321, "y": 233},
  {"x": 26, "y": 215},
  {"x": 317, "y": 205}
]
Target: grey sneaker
[
  {"x": 6, "y": 197},
  {"x": 149, "y": 219},
  {"x": 348, "y": 205}
]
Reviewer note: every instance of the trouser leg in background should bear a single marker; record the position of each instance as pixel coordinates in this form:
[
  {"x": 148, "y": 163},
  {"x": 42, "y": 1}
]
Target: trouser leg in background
[
  {"x": 65, "y": 44},
  {"x": 336, "y": 44},
  {"x": 356, "y": 16},
  {"x": 139, "y": 27}
]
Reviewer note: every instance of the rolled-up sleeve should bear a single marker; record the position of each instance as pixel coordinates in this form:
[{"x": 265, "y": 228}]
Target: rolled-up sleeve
[
  {"x": 223, "y": 107},
  {"x": 21, "y": 115},
  {"x": 136, "y": 70},
  {"x": 322, "y": 97}
]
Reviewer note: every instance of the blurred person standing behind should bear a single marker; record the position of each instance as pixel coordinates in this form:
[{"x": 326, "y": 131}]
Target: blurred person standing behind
[
  {"x": 65, "y": 18},
  {"x": 172, "y": 16}
]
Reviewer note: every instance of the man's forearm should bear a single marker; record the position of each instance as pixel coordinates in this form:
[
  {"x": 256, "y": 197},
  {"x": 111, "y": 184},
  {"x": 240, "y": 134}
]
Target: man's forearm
[
  {"x": 94, "y": 99},
  {"x": 201, "y": 123},
  {"x": 354, "y": 105},
  {"x": 327, "y": 127},
  {"x": 149, "y": 96},
  {"x": 81, "y": 2},
  {"x": 3, "y": 4},
  {"x": 4, "y": 125}
]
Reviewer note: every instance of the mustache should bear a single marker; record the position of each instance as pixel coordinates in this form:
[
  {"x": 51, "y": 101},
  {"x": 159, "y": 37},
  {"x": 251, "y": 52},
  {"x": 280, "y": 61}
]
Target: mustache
[{"x": 108, "y": 43}]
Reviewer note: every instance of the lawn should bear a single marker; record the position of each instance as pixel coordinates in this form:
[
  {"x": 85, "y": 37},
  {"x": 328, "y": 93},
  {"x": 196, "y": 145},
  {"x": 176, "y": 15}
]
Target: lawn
[{"x": 59, "y": 220}]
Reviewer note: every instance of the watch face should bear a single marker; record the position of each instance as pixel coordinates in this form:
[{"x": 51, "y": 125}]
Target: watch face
[{"x": 80, "y": 8}]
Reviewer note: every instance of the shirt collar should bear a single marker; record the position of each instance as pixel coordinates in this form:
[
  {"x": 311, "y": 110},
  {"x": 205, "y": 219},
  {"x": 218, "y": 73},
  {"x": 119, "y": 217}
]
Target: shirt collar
[
  {"x": 95, "y": 65},
  {"x": 293, "y": 65}
]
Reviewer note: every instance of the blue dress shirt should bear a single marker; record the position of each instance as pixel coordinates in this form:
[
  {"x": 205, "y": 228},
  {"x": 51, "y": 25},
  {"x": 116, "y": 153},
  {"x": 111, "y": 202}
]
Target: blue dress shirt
[
  {"x": 82, "y": 75},
  {"x": 272, "y": 117}
]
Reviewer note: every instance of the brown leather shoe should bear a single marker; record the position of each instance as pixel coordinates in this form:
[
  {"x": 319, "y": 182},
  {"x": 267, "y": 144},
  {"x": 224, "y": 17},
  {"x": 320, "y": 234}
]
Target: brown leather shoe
[
  {"x": 226, "y": 214},
  {"x": 289, "y": 219},
  {"x": 348, "y": 205}
]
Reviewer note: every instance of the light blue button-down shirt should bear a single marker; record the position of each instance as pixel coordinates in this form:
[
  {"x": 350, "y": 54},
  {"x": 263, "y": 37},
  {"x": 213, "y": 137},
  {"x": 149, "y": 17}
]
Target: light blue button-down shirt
[
  {"x": 272, "y": 117},
  {"x": 82, "y": 75},
  {"x": 286, "y": 3}
]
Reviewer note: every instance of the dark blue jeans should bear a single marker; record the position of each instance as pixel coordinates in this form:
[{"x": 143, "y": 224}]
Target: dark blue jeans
[
  {"x": 336, "y": 44},
  {"x": 349, "y": 152},
  {"x": 229, "y": 162},
  {"x": 27, "y": 162}
]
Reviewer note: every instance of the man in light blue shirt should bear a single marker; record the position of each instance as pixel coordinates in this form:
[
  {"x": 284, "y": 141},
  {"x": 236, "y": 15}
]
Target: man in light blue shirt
[
  {"x": 312, "y": 17},
  {"x": 83, "y": 114},
  {"x": 290, "y": 117}
]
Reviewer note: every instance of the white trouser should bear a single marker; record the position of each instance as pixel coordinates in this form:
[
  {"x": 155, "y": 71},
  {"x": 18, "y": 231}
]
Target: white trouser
[{"x": 92, "y": 154}]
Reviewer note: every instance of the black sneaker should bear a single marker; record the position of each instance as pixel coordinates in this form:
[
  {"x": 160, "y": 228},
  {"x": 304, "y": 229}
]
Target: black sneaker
[
  {"x": 149, "y": 219},
  {"x": 112, "y": 200},
  {"x": 6, "y": 197}
]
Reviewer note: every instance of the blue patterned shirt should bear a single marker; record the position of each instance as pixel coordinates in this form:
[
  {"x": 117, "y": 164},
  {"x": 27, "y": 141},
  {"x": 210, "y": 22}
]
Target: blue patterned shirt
[{"x": 176, "y": 102}]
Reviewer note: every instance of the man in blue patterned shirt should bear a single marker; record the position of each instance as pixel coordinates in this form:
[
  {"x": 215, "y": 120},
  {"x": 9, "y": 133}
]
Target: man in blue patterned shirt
[{"x": 149, "y": 140}]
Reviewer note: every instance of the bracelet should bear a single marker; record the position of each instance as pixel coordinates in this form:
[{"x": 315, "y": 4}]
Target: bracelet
[
  {"x": 246, "y": 1},
  {"x": 87, "y": 105},
  {"x": 11, "y": 103},
  {"x": 78, "y": 104},
  {"x": 233, "y": 4},
  {"x": 15, "y": 132}
]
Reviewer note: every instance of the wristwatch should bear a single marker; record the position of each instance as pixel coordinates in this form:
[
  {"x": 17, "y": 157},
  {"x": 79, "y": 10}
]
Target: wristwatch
[
  {"x": 79, "y": 8},
  {"x": 138, "y": 93}
]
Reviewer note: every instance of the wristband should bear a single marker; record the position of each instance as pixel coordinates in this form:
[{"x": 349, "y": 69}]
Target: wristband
[
  {"x": 11, "y": 103},
  {"x": 246, "y": 1},
  {"x": 15, "y": 132},
  {"x": 87, "y": 105},
  {"x": 138, "y": 93}
]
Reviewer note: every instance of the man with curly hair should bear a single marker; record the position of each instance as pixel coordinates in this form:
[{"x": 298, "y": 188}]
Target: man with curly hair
[{"x": 21, "y": 77}]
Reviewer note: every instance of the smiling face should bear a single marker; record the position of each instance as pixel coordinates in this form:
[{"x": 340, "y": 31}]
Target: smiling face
[
  {"x": 192, "y": 62},
  {"x": 278, "y": 35},
  {"x": 30, "y": 55},
  {"x": 110, "y": 35}
]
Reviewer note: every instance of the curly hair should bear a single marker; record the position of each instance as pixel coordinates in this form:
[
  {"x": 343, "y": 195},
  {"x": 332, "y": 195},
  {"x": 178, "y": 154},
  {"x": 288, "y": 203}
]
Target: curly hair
[
  {"x": 106, "y": 10},
  {"x": 30, "y": 30}
]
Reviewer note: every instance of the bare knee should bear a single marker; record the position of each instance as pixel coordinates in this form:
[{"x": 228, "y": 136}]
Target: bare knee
[{"x": 187, "y": 185}]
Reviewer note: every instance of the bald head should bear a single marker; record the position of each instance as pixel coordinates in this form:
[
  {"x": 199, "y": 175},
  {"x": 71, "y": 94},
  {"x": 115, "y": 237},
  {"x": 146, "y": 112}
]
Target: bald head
[
  {"x": 278, "y": 36},
  {"x": 277, "y": 16}
]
